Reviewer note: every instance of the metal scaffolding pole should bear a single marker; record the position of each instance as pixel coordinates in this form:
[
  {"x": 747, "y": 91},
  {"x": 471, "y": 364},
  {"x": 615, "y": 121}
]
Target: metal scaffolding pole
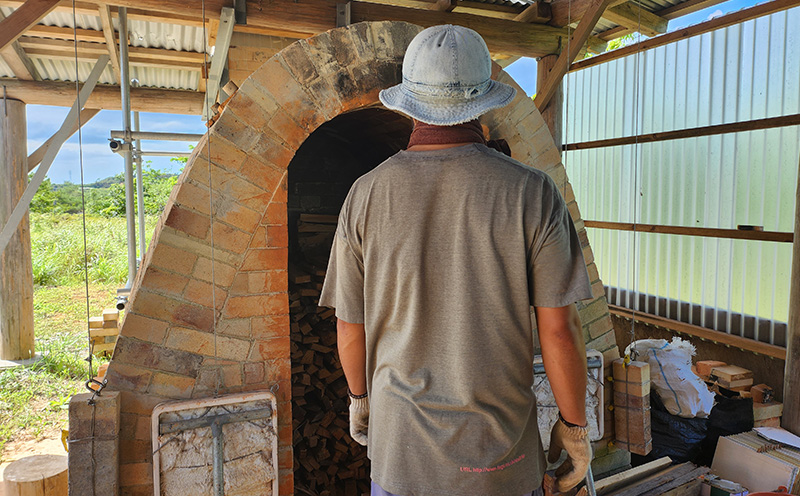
[
  {"x": 125, "y": 90},
  {"x": 139, "y": 184},
  {"x": 147, "y": 135}
]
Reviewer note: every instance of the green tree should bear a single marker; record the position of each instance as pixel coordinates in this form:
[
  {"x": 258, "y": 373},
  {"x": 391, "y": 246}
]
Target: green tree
[
  {"x": 45, "y": 198},
  {"x": 157, "y": 186}
]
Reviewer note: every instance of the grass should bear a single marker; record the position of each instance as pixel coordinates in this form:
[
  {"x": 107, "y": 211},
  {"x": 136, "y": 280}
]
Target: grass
[{"x": 34, "y": 400}]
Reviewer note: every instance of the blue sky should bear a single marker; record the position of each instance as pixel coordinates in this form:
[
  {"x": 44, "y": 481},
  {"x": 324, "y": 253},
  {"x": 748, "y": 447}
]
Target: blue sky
[{"x": 99, "y": 162}]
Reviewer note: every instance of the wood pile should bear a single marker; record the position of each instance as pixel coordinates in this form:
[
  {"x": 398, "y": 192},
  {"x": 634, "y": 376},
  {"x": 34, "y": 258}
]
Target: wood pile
[
  {"x": 326, "y": 459},
  {"x": 103, "y": 331},
  {"x": 657, "y": 478}
]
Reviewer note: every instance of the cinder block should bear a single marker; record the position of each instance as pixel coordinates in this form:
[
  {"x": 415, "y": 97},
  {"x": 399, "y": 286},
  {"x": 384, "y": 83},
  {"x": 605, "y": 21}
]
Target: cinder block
[{"x": 94, "y": 435}]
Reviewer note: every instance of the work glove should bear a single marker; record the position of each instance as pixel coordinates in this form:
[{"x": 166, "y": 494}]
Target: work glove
[
  {"x": 359, "y": 419},
  {"x": 575, "y": 440}
]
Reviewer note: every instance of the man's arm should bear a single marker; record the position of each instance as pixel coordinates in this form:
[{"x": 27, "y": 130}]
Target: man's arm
[
  {"x": 564, "y": 357},
  {"x": 352, "y": 344}
]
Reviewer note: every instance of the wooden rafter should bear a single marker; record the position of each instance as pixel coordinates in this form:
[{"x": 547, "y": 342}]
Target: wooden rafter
[
  {"x": 538, "y": 12},
  {"x": 110, "y": 37},
  {"x": 18, "y": 60},
  {"x": 632, "y": 16},
  {"x": 578, "y": 38},
  {"x": 27, "y": 15},
  {"x": 36, "y": 157},
  {"x": 222, "y": 42},
  {"x": 104, "y": 97},
  {"x": 704, "y": 27}
]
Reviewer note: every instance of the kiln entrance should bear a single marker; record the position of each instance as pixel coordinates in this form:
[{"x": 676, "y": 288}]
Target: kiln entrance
[{"x": 327, "y": 460}]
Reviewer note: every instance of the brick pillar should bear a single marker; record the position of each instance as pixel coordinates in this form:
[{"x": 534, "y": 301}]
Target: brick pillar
[{"x": 94, "y": 445}]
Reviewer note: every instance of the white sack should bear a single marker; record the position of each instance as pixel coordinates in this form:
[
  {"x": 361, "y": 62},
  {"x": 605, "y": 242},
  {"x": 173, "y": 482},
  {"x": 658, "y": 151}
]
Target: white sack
[{"x": 682, "y": 392}]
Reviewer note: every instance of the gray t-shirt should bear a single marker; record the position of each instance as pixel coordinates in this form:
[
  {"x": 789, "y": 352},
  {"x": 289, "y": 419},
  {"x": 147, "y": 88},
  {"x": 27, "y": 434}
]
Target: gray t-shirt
[{"x": 441, "y": 254}]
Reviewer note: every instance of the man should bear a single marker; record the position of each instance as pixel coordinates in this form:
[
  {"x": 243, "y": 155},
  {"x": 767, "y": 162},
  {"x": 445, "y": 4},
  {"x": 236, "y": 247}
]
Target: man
[{"x": 439, "y": 253}]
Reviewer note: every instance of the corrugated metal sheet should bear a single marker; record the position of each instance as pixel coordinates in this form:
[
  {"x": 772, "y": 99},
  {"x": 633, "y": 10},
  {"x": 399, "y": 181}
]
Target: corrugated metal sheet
[
  {"x": 748, "y": 71},
  {"x": 142, "y": 34}
]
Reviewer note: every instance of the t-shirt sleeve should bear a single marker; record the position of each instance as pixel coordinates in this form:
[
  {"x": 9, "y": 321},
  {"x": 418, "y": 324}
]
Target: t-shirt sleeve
[
  {"x": 344, "y": 281},
  {"x": 556, "y": 269}
]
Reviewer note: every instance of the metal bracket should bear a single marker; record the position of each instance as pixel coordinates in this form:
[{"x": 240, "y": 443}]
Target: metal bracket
[
  {"x": 240, "y": 8},
  {"x": 342, "y": 14}
]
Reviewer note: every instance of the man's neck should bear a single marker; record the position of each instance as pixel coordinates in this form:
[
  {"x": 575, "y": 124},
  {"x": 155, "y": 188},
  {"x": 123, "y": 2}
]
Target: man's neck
[{"x": 427, "y": 148}]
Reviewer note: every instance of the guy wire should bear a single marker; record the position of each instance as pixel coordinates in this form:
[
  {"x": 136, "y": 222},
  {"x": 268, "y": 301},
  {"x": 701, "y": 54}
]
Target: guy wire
[
  {"x": 78, "y": 105},
  {"x": 207, "y": 107}
]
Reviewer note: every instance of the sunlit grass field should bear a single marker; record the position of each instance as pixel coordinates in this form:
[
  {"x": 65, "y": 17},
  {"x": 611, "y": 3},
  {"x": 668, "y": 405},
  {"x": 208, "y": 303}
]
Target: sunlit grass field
[{"x": 34, "y": 400}]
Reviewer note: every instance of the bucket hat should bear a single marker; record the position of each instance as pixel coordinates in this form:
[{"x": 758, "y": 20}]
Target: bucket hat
[{"x": 447, "y": 78}]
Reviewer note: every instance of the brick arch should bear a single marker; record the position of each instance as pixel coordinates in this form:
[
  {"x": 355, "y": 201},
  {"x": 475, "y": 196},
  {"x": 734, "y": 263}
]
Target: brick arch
[{"x": 235, "y": 185}]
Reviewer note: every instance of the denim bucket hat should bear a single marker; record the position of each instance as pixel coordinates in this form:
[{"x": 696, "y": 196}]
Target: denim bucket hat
[{"x": 447, "y": 78}]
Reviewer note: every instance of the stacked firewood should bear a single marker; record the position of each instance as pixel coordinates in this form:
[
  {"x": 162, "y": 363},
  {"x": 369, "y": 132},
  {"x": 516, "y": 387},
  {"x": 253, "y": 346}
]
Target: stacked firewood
[{"x": 326, "y": 459}]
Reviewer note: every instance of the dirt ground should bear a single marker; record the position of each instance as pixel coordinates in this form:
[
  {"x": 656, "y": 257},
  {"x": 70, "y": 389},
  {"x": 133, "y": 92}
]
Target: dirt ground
[{"x": 48, "y": 444}]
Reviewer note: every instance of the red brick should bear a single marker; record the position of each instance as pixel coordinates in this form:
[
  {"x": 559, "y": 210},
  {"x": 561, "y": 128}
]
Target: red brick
[
  {"x": 281, "y": 192},
  {"x": 194, "y": 197},
  {"x": 150, "y": 356},
  {"x": 179, "y": 312},
  {"x": 220, "y": 151},
  {"x": 146, "y": 490},
  {"x": 146, "y": 329},
  {"x": 254, "y": 373},
  {"x": 248, "y": 110},
  {"x": 157, "y": 280},
  {"x": 265, "y": 259},
  {"x": 593, "y": 311},
  {"x": 200, "y": 292},
  {"x": 262, "y": 173},
  {"x": 278, "y": 370},
  {"x": 285, "y": 482},
  {"x": 594, "y": 275},
  {"x": 173, "y": 259},
  {"x": 229, "y": 127},
  {"x": 247, "y": 283},
  {"x": 136, "y": 450},
  {"x": 277, "y": 237},
  {"x": 259, "y": 239},
  {"x": 231, "y": 376},
  {"x": 285, "y": 458},
  {"x": 171, "y": 386},
  {"x": 139, "y": 403},
  {"x": 276, "y": 214},
  {"x": 243, "y": 218},
  {"x": 272, "y": 149},
  {"x": 271, "y": 349},
  {"x": 128, "y": 377},
  {"x": 188, "y": 221},
  {"x": 223, "y": 274},
  {"x": 292, "y": 133},
  {"x": 270, "y": 327},
  {"x": 234, "y": 327},
  {"x": 257, "y": 305},
  {"x": 288, "y": 93},
  {"x": 131, "y": 474}
]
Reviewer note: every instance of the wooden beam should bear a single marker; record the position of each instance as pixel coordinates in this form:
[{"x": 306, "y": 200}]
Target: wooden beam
[
  {"x": 703, "y": 333},
  {"x": 27, "y": 15},
  {"x": 566, "y": 12},
  {"x": 106, "y": 97},
  {"x": 18, "y": 61},
  {"x": 36, "y": 157},
  {"x": 501, "y": 36},
  {"x": 685, "y": 8},
  {"x": 538, "y": 12},
  {"x": 791, "y": 374},
  {"x": 632, "y": 16},
  {"x": 705, "y": 232},
  {"x": 613, "y": 33},
  {"x": 59, "y": 33},
  {"x": 733, "y": 127},
  {"x": 110, "y": 37},
  {"x": 704, "y": 27},
  {"x": 565, "y": 58},
  {"x": 552, "y": 114}
]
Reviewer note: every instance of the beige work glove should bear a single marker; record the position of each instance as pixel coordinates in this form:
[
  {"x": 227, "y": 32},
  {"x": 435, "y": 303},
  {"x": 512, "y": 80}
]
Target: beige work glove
[
  {"x": 575, "y": 440},
  {"x": 359, "y": 419}
]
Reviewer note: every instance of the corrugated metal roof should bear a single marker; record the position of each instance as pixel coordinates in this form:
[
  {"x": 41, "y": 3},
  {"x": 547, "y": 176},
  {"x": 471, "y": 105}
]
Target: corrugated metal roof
[
  {"x": 161, "y": 35},
  {"x": 64, "y": 70}
]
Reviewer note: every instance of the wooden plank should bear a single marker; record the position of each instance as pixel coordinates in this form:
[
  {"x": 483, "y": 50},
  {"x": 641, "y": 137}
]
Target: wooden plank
[
  {"x": 704, "y": 27},
  {"x": 552, "y": 114},
  {"x": 791, "y": 375},
  {"x": 538, "y": 12},
  {"x": 501, "y": 36},
  {"x": 100, "y": 333},
  {"x": 18, "y": 61},
  {"x": 706, "y": 232},
  {"x": 621, "y": 479},
  {"x": 110, "y": 37},
  {"x": 703, "y": 333},
  {"x": 565, "y": 58},
  {"x": 106, "y": 97},
  {"x": 93, "y": 50},
  {"x": 733, "y": 127},
  {"x": 59, "y": 33},
  {"x": 686, "y": 8},
  {"x": 36, "y": 157},
  {"x": 679, "y": 481},
  {"x": 632, "y": 16},
  {"x": 27, "y": 15},
  {"x": 656, "y": 480}
]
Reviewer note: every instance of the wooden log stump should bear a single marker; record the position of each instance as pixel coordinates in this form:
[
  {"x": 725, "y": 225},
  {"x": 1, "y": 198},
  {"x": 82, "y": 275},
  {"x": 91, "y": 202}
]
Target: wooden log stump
[{"x": 38, "y": 475}]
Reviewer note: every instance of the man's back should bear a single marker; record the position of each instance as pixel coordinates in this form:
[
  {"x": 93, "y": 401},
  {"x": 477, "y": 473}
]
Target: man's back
[{"x": 453, "y": 246}]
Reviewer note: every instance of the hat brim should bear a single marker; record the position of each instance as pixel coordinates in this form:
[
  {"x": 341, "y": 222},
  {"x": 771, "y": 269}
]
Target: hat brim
[{"x": 444, "y": 112}]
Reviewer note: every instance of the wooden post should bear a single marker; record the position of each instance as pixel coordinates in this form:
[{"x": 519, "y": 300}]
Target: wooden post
[
  {"x": 791, "y": 371},
  {"x": 552, "y": 112},
  {"x": 16, "y": 272}
]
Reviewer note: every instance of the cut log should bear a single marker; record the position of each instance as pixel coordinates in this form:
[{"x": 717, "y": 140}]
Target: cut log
[{"x": 38, "y": 475}]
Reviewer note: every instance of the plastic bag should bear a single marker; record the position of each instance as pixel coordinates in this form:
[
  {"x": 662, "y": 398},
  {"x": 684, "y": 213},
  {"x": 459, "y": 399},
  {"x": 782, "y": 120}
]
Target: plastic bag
[
  {"x": 678, "y": 438},
  {"x": 682, "y": 392}
]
